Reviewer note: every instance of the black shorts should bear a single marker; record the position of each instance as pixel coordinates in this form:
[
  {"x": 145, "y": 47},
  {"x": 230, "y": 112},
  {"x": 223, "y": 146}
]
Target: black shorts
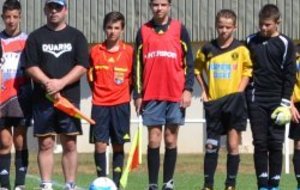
[
  {"x": 264, "y": 130},
  {"x": 112, "y": 122},
  {"x": 50, "y": 121},
  {"x": 229, "y": 112},
  {"x": 295, "y": 127},
  {"x": 15, "y": 122}
]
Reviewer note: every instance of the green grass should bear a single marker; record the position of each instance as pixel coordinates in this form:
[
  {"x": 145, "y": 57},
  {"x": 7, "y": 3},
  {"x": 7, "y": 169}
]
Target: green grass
[{"x": 188, "y": 175}]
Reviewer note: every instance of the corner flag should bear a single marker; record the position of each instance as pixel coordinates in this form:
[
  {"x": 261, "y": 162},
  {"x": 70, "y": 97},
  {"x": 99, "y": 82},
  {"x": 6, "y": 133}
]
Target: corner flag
[{"x": 135, "y": 155}]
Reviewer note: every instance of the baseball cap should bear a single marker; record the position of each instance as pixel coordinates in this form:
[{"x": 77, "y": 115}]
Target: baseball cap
[{"x": 60, "y": 2}]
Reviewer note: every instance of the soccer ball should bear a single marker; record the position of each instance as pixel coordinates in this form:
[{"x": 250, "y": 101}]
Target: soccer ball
[{"x": 103, "y": 183}]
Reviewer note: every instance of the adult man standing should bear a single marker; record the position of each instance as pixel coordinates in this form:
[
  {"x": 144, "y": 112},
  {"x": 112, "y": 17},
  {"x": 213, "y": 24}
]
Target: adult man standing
[{"x": 56, "y": 56}]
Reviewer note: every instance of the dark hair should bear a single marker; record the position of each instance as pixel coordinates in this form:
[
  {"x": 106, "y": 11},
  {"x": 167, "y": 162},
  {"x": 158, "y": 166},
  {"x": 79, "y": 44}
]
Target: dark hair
[
  {"x": 170, "y": 1},
  {"x": 113, "y": 17},
  {"x": 11, "y": 5},
  {"x": 269, "y": 11},
  {"x": 226, "y": 13}
]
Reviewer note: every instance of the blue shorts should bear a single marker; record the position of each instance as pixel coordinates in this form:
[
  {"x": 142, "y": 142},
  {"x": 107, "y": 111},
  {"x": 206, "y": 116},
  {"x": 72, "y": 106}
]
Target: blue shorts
[
  {"x": 50, "y": 121},
  {"x": 15, "y": 122},
  {"x": 112, "y": 122},
  {"x": 162, "y": 112}
]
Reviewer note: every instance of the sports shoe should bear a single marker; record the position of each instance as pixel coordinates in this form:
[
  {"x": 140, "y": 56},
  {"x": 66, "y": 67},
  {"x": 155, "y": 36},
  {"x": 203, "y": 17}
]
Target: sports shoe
[
  {"x": 274, "y": 188},
  {"x": 70, "y": 186},
  {"x": 3, "y": 188},
  {"x": 20, "y": 187},
  {"x": 230, "y": 188},
  {"x": 207, "y": 188},
  {"x": 169, "y": 185},
  {"x": 263, "y": 188},
  {"x": 153, "y": 187},
  {"x": 46, "y": 186}
]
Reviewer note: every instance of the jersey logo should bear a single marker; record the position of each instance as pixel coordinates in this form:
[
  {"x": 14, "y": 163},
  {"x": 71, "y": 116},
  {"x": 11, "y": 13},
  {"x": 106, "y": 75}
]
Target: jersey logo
[
  {"x": 111, "y": 60},
  {"x": 234, "y": 56},
  {"x": 161, "y": 53},
  {"x": 57, "y": 49}
]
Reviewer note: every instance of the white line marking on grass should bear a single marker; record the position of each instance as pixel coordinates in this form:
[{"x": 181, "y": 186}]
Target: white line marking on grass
[{"x": 59, "y": 185}]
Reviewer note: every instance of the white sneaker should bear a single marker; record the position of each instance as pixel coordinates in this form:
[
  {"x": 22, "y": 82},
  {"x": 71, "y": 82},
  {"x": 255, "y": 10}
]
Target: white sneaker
[
  {"x": 169, "y": 185},
  {"x": 3, "y": 188},
  {"x": 69, "y": 186},
  {"x": 20, "y": 187},
  {"x": 46, "y": 186}
]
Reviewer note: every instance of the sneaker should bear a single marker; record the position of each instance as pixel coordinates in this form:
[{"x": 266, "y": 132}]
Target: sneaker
[
  {"x": 153, "y": 187},
  {"x": 274, "y": 188},
  {"x": 70, "y": 186},
  {"x": 46, "y": 186},
  {"x": 263, "y": 188},
  {"x": 207, "y": 188},
  {"x": 230, "y": 188},
  {"x": 169, "y": 185},
  {"x": 20, "y": 187},
  {"x": 3, "y": 188}
]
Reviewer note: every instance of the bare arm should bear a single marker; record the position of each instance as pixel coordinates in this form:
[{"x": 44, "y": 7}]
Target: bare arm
[
  {"x": 203, "y": 85},
  {"x": 53, "y": 86},
  {"x": 37, "y": 75},
  {"x": 295, "y": 113},
  {"x": 74, "y": 75},
  {"x": 243, "y": 84}
]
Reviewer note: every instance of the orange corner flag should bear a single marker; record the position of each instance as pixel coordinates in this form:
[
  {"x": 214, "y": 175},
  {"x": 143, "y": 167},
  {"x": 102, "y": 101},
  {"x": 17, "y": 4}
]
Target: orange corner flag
[
  {"x": 67, "y": 107},
  {"x": 135, "y": 155}
]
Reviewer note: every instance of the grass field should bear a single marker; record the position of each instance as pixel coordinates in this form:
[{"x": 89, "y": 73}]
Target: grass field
[{"x": 188, "y": 175}]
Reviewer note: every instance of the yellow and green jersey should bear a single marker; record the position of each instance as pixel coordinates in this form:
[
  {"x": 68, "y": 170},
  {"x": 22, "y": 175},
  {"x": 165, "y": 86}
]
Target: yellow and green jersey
[{"x": 223, "y": 68}]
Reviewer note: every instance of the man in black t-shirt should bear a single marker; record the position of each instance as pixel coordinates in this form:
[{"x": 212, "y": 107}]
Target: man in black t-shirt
[{"x": 56, "y": 56}]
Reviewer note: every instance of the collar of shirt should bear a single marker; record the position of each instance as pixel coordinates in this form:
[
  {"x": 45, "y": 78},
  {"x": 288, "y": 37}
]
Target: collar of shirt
[{"x": 159, "y": 27}]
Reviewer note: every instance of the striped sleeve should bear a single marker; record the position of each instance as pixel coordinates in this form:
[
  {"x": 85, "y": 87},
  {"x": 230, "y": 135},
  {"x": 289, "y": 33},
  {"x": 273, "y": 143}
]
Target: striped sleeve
[
  {"x": 138, "y": 67},
  {"x": 289, "y": 68},
  {"x": 188, "y": 59}
]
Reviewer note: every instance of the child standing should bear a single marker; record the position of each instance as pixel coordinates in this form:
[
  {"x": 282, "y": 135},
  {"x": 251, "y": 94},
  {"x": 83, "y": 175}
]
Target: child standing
[
  {"x": 15, "y": 104},
  {"x": 269, "y": 95},
  {"x": 163, "y": 86},
  {"x": 226, "y": 65},
  {"x": 110, "y": 81},
  {"x": 295, "y": 124}
]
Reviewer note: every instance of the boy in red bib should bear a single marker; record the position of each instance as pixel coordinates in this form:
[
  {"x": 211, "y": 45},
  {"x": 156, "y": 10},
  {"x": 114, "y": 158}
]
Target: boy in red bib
[{"x": 163, "y": 86}]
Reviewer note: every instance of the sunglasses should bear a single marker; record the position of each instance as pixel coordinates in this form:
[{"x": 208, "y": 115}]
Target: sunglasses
[{"x": 55, "y": 6}]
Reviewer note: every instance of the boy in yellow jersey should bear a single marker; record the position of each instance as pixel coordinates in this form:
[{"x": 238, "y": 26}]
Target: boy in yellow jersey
[
  {"x": 295, "y": 124},
  {"x": 223, "y": 68}
]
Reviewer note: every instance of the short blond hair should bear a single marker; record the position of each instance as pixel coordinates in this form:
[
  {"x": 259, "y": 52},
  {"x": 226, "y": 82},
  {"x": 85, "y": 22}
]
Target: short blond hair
[{"x": 226, "y": 13}]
